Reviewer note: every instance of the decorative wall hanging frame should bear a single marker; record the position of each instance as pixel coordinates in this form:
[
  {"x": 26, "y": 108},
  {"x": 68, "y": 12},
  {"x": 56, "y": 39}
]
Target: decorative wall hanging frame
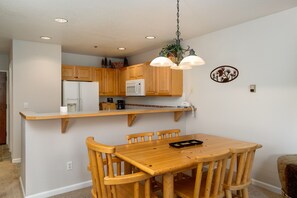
[{"x": 224, "y": 74}]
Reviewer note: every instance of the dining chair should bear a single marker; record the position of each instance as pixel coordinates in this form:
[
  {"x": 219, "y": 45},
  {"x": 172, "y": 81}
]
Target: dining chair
[
  {"x": 168, "y": 133},
  {"x": 209, "y": 179},
  {"x": 137, "y": 138},
  {"x": 108, "y": 184},
  {"x": 239, "y": 171},
  {"x": 140, "y": 137}
]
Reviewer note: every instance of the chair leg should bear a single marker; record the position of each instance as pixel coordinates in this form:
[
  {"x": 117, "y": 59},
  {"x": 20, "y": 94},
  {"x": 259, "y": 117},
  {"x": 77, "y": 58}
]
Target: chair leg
[
  {"x": 228, "y": 194},
  {"x": 245, "y": 193}
]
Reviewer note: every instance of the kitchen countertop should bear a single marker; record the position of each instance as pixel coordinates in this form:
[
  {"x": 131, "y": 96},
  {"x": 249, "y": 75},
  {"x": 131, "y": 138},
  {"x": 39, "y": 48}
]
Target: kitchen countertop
[
  {"x": 131, "y": 113},
  {"x": 57, "y": 115}
]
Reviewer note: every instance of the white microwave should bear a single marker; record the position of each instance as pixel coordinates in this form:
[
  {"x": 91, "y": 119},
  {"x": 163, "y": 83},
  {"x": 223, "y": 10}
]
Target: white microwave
[{"x": 135, "y": 87}]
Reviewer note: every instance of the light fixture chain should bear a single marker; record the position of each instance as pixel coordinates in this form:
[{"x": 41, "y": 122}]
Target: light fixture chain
[{"x": 177, "y": 23}]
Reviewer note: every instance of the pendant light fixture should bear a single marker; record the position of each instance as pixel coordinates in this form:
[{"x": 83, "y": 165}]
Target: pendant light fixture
[{"x": 180, "y": 63}]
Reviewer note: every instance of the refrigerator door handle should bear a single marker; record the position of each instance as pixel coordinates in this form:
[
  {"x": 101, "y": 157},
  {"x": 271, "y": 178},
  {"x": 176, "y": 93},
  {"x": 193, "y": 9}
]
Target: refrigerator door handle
[{"x": 80, "y": 104}]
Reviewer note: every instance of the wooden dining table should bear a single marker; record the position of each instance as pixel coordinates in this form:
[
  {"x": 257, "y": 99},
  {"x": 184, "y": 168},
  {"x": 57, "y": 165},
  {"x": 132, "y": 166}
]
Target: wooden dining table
[{"x": 157, "y": 157}]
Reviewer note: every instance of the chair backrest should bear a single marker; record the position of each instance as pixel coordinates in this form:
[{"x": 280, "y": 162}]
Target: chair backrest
[
  {"x": 140, "y": 137},
  {"x": 210, "y": 183},
  {"x": 239, "y": 175},
  {"x": 100, "y": 156},
  {"x": 168, "y": 133},
  {"x": 102, "y": 164}
]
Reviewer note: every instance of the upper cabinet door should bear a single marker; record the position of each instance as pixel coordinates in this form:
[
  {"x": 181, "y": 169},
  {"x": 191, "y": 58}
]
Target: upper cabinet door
[
  {"x": 122, "y": 81},
  {"x": 136, "y": 71},
  {"x": 98, "y": 77},
  {"x": 164, "y": 81},
  {"x": 68, "y": 72},
  {"x": 84, "y": 73},
  {"x": 150, "y": 81},
  {"x": 78, "y": 73},
  {"x": 176, "y": 82},
  {"x": 110, "y": 80}
]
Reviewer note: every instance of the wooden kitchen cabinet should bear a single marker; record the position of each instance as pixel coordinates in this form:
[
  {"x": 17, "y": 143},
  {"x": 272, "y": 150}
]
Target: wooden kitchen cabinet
[
  {"x": 108, "y": 81},
  {"x": 77, "y": 73},
  {"x": 163, "y": 81},
  {"x": 123, "y": 76},
  {"x": 150, "y": 81},
  {"x": 176, "y": 82},
  {"x": 159, "y": 81},
  {"x": 136, "y": 71},
  {"x": 169, "y": 82},
  {"x": 146, "y": 72}
]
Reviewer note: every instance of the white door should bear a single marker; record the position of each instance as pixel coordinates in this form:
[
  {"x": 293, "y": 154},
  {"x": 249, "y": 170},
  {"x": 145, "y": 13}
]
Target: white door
[
  {"x": 71, "y": 95},
  {"x": 89, "y": 96}
]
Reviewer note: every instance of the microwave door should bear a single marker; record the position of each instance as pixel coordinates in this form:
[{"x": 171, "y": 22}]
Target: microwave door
[
  {"x": 136, "y": 89},
  {"x": 130, "y": 89}
]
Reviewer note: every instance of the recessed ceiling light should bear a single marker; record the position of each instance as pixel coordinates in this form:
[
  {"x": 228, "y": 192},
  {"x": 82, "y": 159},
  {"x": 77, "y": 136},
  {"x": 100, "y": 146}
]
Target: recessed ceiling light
[
  {"x": 61, "y": 20},
  {"x": 121, "y": 48},
  {"x": 150, "y": 37},
  {"x": 45, "y": 37}
]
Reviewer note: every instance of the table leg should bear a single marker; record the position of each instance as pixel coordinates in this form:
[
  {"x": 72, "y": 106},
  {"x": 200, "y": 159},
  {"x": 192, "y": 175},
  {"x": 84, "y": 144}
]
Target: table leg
[{"x": 168, "y": 191}]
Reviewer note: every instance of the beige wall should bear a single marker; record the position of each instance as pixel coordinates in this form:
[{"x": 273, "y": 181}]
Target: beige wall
[
  {"x": 36, "y": 80},
  {"x": 84, "y": 60}
]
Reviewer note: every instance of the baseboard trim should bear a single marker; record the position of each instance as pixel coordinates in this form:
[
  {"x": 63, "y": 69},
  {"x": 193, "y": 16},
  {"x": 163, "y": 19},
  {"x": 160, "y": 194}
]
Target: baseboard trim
[
  {"x": 22, "y": 186},
  {"x": 267, "y": 186},
  {"x": 62, "y": 190},
  {"x": 16, "y": 160}
]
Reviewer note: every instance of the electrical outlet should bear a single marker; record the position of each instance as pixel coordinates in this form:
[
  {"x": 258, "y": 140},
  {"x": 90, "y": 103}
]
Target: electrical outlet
[{"x": 69, "y": 165}]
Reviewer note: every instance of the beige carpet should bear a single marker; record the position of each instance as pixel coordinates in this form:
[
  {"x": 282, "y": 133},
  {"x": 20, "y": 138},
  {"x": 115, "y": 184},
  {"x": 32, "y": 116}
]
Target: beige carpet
[
  {"x": 10, "y": 185},
  {"x": 9, "y": 176}
]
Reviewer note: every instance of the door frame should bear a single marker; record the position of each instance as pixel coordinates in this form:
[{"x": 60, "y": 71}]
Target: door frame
[{"x": 7, "y": 108}]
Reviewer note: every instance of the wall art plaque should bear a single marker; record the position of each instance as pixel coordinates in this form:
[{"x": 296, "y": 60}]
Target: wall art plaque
[{"x": 224, "y": 74}]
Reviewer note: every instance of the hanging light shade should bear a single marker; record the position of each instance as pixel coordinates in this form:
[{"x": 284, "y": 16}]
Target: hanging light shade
[
  {"x": 192, "y": 60},
  {"x": 161, "y": 61},
  {"x": 185, "y": 63}
]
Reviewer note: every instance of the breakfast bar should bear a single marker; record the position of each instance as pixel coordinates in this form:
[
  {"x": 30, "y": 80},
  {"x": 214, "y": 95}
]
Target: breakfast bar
[
  {"x": 62, "y": 158},
  {"x": 131, "y": 113}
]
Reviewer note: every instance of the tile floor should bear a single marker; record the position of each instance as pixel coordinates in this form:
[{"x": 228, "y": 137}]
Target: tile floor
[{"x": 10, "y": 185}]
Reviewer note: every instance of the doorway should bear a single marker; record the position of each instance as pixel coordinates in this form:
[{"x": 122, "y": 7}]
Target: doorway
[{"x": 3, "y": 107}]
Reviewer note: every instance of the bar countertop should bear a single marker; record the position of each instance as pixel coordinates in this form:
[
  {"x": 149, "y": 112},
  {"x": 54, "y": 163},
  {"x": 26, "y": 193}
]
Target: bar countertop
[{"x": 57, "y": 115}]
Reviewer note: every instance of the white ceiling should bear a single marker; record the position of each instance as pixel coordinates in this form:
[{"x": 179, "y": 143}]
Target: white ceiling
[{"x": 110, "y": 24}]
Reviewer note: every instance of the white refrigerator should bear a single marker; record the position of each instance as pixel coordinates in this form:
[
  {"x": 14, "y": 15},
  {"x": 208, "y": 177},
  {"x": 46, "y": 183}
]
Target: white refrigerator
[{"x": 81, "y": 96}]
